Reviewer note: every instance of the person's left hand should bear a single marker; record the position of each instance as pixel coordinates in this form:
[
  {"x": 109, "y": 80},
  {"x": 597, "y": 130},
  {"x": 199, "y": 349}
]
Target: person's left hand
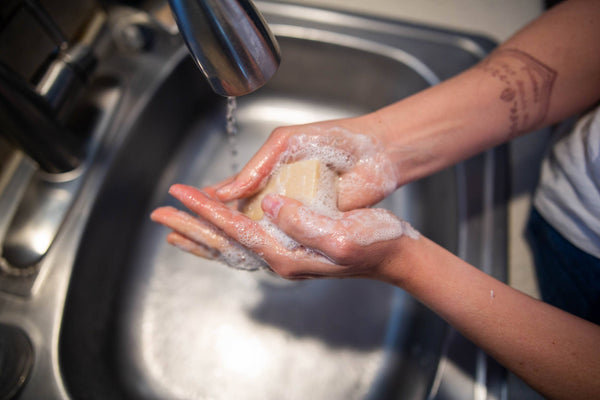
[{"x": 353, "y": 244}]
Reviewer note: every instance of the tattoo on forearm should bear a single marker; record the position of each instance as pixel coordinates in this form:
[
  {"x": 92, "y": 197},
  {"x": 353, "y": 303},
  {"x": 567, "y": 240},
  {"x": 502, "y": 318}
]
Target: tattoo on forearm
[{"x": 527, "y": 87}]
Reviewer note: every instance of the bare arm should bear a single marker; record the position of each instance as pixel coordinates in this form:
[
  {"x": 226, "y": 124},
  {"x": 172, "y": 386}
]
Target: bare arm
[
  {"x": 548, "y": 71},
  {"x": 545, "y": 73},
  {"x": 557, "y": 353}
]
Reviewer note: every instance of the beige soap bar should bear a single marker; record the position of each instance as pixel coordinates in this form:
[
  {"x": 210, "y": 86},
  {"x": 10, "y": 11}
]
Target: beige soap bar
[{"x": 304, "y": 181}]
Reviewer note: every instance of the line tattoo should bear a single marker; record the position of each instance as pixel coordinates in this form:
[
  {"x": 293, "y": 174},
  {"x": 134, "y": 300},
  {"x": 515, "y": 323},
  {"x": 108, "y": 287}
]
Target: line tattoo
[{"x": 527, "y": 87}]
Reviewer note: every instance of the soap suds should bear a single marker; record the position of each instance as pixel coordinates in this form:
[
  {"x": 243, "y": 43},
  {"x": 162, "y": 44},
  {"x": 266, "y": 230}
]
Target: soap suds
[
  {"x": 361, "y": 160},
  {"x": 342, "y": 151},
  {"x": 273, "y": 230},
  {"x": 326, "y": 149},
  {"x": 377, "y": 225},
  {"x": 241, "y": 258}
]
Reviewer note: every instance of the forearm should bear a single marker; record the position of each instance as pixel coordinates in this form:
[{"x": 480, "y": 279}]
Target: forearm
[
  {"x": 545, "y": 73},
  {"x": 555, "y": 352}
]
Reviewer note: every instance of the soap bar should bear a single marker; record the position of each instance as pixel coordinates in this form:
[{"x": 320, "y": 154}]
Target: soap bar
[{"x": 308, "y": 181}]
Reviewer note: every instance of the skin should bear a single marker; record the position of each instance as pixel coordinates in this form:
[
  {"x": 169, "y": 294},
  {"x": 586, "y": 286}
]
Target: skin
[{"x": 548, "y": 71}]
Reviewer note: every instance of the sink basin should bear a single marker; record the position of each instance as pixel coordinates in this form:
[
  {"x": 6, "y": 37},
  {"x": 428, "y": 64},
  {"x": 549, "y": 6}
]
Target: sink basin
[{"x": 132, "y": 317}]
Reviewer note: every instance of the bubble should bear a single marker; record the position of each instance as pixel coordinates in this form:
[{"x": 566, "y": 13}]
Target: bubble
[
  {"x": 342, "y": 151},
  {"x": 274, "y": 231},
  {"x": 238, "y": 254},
  {"x": 364, "y": 165},
  {"x": 331, "y": 149},
  {"x": 377, "y": 225},
  {"x": 321, "y": 227},
  {"x": 249, "y": 236},
  {"x": 241, "y": 258}
]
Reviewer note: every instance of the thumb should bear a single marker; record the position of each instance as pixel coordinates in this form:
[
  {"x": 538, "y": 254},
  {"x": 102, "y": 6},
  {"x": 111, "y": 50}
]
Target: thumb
[
  {"x": 299, "y": 222},
  {"x": 365, "y": 186}
]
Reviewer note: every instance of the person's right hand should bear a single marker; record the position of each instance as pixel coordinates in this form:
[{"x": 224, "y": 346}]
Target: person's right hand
[
  {"x": 367, "y": 174},
  {"x": 357, "y": 243}
]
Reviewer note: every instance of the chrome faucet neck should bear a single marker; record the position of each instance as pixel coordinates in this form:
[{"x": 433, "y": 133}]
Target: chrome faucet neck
[{"x": 229, "y": 41}]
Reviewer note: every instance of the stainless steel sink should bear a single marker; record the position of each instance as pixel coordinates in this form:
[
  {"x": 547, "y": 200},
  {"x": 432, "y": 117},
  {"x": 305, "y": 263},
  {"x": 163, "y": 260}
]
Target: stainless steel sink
[{"x": 117, "y": 313}]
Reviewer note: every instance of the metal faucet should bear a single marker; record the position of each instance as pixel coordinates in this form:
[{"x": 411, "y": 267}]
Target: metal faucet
[
  {"x": 36, "y": 200},
  {"x": 29, "y": 115},
  {"x": 229, "y": 41}
]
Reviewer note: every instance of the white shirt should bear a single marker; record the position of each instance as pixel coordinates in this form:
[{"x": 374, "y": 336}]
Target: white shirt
[{"x": 568, "y": 195}]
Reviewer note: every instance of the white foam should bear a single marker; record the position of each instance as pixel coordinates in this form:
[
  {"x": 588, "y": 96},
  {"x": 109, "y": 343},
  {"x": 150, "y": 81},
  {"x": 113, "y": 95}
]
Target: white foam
[
  {"x": 377, "y": 225},
  {"x": 274, "y": 231},
  {"x": 342, "y": 150},
  {"x": 239, "y": 257},
  {"x": 248, "y": 236}
]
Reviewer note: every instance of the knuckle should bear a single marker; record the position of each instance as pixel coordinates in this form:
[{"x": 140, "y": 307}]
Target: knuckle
[
  {"x": 288, "y": 270},
  {"x": 343, "y": 249},
  {"x": 280, "y": 267},
  {"x": 285, "y": 273},
  {"x": 280, "y": 133},
  {"x": 294, "y": 219}
]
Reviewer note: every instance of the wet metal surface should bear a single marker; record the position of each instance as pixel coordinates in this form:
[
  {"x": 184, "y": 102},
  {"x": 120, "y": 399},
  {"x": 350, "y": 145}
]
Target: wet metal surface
[{"x": 144, "y": 320}]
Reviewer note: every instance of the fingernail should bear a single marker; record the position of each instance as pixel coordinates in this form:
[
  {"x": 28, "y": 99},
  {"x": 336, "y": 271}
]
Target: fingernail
[
  {"x": 154, "y": 215},
  {"x": 271, "y": 204},
  {"x": 175, "y": 189},
  {"x": 223, "y": 190}
]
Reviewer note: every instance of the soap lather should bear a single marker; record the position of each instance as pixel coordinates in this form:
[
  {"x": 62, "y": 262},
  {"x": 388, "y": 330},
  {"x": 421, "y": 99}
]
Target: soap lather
[{"x": 308, "y": 181}]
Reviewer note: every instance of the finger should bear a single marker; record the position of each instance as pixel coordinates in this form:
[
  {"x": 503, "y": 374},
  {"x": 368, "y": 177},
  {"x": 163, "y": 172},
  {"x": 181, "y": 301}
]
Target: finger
[
  {"x": 255, "y": 173},
  {"x": 211, "y": 191},
  {"x": 289, "y": 263},
  {"x": 192, "y": 228},
  {"x": 219, "y": 185},
  {"x": 356, "y": 191},
  {"x": 202, "y": 239},
  {"x": 300, "y": 223},
  {"x": 233, "y": 223},
  {"x": 353, "y": 238},
  {"x": 184, "y": 243}
]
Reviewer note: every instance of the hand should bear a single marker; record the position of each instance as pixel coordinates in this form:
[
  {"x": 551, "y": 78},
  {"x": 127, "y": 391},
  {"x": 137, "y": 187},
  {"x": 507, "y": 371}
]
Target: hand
[
  {"x": 355, "y": 243},
  {"x": 366, "y": 172}
]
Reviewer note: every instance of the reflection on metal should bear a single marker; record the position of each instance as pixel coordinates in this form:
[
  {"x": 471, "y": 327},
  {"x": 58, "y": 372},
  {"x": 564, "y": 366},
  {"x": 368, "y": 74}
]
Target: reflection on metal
[
  {"x": 40, "y": 202},
  {"x": 121, "y": 312},
  {"x": 230, "y": 42},
  {"x": 16, "y": 360},
  {"x": 31, "y": 116}
]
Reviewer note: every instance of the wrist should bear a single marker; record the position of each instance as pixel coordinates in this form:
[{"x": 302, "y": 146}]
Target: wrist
[
  {"x": 411, "y": 138},
  {"x": 399, "y": 265}
]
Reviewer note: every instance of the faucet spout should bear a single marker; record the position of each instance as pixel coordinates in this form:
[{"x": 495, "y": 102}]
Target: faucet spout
[{"x": 229, "y": 41}]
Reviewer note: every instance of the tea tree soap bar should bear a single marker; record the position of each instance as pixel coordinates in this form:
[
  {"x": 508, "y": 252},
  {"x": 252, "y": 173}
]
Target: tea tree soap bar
[{"x": 308, "y": 181}]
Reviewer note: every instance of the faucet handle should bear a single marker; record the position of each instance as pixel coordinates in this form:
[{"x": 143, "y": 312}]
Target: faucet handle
[{"x": 230, "y": 42}]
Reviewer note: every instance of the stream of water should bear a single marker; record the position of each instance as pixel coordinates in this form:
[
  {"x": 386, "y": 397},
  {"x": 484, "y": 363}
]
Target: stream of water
[{"x": 232, "y": 130}]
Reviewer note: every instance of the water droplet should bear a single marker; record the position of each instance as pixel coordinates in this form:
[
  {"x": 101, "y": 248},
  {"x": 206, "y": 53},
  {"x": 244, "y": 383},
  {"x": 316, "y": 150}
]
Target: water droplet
[{"x": 232, "y": 130}]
